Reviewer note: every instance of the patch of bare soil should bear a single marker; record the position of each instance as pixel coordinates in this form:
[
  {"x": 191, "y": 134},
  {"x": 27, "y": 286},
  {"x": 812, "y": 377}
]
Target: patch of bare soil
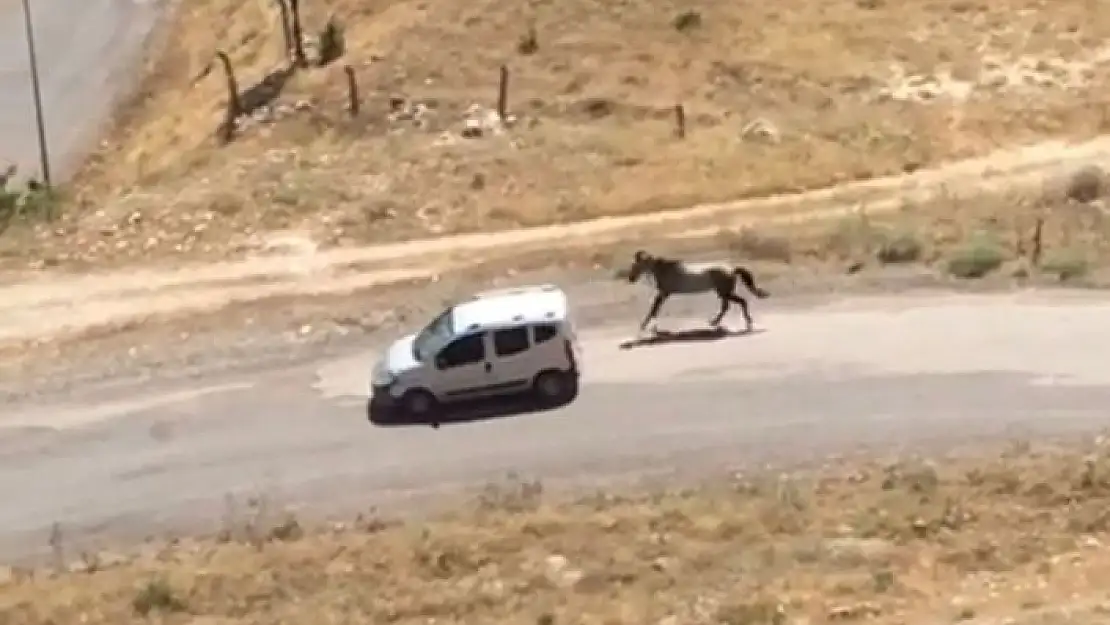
[
  {"x": 1016, "y": 537},
  {"x": 777, "y": 97}
]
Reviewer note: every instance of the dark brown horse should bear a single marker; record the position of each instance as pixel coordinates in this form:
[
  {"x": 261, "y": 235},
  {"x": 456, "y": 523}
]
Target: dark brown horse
[{"x": 676, "y": 277}]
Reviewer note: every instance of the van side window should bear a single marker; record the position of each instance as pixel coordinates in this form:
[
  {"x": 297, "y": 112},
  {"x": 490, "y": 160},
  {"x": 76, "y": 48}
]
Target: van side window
[
  {"x": 509, "y": 342},
  {"x": 544, "y": 333},
  {"x": 466, "y": 350}
]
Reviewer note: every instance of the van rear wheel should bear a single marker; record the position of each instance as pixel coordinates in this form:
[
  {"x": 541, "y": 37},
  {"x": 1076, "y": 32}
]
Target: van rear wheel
[{"x": 554, "y": 387}]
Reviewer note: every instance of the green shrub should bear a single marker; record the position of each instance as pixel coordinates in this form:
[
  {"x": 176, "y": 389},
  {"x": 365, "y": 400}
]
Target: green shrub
[
  {"x": 33, "y": 202},
  {"x": 976, "y": 257},
  {"x": 1065, "y": 264},
  {"x": 332, "y": 42}
]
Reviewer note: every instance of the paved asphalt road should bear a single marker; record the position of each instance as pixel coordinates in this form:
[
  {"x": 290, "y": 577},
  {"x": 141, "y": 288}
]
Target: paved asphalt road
[
  {"x": 866, "y": 371},
  {"x": 86, "y": 51}
]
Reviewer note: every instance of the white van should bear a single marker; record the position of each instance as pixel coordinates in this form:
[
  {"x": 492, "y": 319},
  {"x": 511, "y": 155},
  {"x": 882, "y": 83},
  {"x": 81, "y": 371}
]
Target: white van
[{"x": 502, "y": 342}]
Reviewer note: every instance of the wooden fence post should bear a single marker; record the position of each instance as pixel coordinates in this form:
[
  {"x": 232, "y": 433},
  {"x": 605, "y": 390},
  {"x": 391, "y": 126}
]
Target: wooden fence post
[
  {"x": 1038, "y": 243},
  {"x": 679, "y": 121},
  {"x": 226, "y": 130},
  {"x": 353, "y": 100},
  {"x": 503, "y": 94}
]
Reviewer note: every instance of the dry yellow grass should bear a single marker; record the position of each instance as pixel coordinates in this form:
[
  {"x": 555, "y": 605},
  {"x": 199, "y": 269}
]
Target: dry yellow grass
[
  {"x": 1017, "y": 535},
  {"x": 853, "y": 89},
  {"x": 1027, "y": 233}
]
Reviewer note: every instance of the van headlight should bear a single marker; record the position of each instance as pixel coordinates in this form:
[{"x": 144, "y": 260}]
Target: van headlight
[{"x": 381, "y": 376}]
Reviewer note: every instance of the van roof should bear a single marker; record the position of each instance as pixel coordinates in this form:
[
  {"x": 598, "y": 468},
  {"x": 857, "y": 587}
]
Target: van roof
[{"x": 544, "y": 303}]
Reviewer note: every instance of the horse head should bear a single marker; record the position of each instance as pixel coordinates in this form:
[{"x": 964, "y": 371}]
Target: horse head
[{"x": 641, "y": 261}]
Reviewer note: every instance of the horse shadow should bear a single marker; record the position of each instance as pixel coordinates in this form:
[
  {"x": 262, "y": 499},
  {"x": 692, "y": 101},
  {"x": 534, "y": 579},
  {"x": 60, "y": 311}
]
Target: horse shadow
[
  {"x": 698, "y": 335},
  {"x": 460, "y": 413}
]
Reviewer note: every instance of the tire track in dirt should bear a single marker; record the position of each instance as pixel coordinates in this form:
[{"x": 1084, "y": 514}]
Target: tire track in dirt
[{"x": 53, "y": 305}]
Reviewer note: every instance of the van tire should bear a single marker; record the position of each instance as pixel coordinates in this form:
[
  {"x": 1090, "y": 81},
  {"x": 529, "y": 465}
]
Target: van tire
[
  {"x": 553, "y": 388},
  {"x": 418, "y": 403}
]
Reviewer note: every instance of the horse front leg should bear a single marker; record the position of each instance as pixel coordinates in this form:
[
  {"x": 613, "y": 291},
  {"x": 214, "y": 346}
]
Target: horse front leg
[
  {"x": 716, "y": 321},
  {"x": 655, "y": 306}
]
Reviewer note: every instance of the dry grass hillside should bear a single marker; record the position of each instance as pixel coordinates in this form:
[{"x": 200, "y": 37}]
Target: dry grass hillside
[
  {"x": 777, "y": 97},
  {"x": 1015, "y": 538}
]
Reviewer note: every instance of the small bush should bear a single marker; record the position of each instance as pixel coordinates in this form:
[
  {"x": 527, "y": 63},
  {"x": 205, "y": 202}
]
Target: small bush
[
  {"x": 976, "y": 258},
  {"x": 899, "y": 248},
  {"x": 687, "y": 20},
  {"x": 332, "y": 42},
  {"x": 1065, "y": 264},
  {"x": 529, "y": 43},
  {"x": 157, "y": 595},
  {"x": 1086, "y": 184},
  {"x": 288, "y": 530},
  {"x": 33, "y": 203}
]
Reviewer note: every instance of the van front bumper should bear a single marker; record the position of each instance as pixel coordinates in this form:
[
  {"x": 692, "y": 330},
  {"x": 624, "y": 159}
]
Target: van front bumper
[{"x": 380, "y": 397}]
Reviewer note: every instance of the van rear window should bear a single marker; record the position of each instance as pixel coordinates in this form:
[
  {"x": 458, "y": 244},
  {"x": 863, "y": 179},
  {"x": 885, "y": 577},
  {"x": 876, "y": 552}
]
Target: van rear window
[{"x": 544, "y": 333}]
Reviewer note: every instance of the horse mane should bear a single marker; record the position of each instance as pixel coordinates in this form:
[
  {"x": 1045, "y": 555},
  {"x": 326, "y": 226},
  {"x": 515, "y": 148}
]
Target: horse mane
[{"x": 667, "y": 263}]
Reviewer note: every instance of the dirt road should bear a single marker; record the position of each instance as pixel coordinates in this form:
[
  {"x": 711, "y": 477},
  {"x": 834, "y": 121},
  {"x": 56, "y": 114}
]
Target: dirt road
[
  {"x": 86, "y": 56},
  {"x": 41, "y": 305},
  {"x": 877, "y": 371}
]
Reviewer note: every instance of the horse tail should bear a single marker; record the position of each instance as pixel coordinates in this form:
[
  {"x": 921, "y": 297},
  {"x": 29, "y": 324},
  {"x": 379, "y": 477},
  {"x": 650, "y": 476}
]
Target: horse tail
[{"x": 749, "y": 281}]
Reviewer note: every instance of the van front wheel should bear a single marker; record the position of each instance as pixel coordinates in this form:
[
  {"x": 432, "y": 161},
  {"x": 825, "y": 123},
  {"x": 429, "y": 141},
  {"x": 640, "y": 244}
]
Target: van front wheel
[
  {"x": 554, "y": 387},
  {"x": 418, "y": 403}
]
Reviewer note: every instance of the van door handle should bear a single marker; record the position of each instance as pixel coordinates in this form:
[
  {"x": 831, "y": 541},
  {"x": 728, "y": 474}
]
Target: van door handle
[{"x": 489, "y": 367}]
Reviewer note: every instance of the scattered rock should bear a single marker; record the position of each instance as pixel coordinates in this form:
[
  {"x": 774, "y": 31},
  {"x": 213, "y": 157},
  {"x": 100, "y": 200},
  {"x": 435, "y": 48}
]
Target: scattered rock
[
  {"x": 559, "y": 572},
  {"x": 1090, "y": 542},
  {"x": 480, "y": 121},
  {"x": 853, "y": 612},
  {"x": 419, "y": 113},
  {"x": 760, "y": 129},
  {"x": 472, "y": 129},
  {"x": 662, "y": 564}
]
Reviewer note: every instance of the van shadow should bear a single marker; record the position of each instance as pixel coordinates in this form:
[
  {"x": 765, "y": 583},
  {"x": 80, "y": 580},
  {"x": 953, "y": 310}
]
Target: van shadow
[
  {"x": 462, "y": 412},
  {"x": 699, "y": 335}
]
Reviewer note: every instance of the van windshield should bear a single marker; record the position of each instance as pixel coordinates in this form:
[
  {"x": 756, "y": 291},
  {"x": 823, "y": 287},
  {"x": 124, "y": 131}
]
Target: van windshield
[{"x": 434, "y": 336}]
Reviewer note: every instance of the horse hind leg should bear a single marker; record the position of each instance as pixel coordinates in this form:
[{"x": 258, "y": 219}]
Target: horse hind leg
[
  {"x": 716, "y": 321},
  {"x": 743, "y": 308}
]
